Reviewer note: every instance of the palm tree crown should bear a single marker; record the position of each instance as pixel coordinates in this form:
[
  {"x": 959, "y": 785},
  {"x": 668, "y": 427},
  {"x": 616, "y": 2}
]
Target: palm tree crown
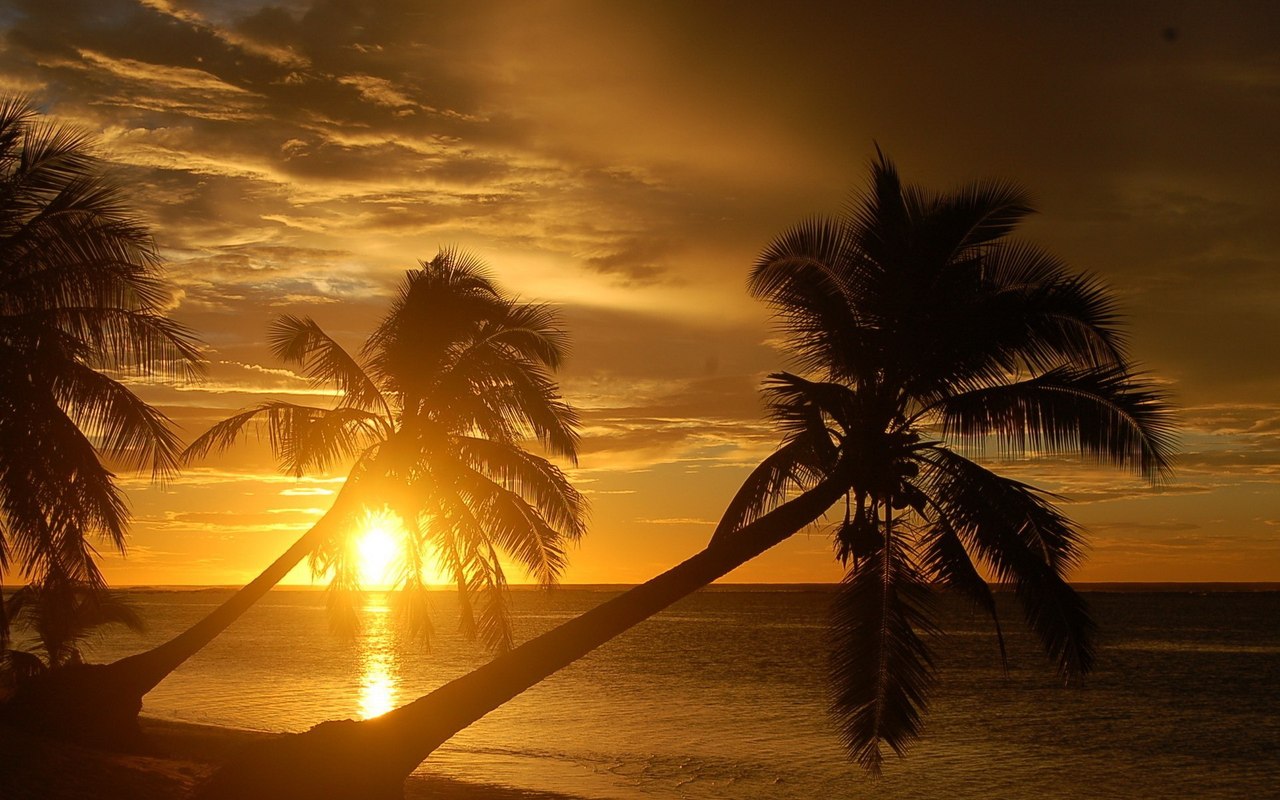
[
  {"x": 435, "y": 412},
  {"x": 81, "y": 307},
  {"x": 926, "y": 334}
]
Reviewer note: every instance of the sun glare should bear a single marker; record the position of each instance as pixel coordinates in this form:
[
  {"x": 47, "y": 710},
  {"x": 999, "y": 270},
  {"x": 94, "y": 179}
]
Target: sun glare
[{"x": 376, "y": 549}]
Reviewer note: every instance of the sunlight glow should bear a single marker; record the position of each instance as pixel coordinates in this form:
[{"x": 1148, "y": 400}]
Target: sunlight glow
[{"x": 377, "y": 549}]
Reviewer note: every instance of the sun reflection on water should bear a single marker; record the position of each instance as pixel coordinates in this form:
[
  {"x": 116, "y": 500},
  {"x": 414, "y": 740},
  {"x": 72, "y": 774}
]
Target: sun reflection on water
[{"x": 378, "y": 690}]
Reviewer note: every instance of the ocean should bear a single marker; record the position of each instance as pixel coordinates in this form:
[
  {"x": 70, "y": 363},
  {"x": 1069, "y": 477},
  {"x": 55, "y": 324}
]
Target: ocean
[{"x": 722, "y": 696}]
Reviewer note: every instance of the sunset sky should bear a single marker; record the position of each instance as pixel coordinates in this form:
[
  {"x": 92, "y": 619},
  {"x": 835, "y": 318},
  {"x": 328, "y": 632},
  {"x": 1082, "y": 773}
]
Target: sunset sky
[{"x": 627, "y": 161}]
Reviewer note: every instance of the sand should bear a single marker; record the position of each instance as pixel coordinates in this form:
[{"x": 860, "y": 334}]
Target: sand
[{"x": 182, "y": 755}]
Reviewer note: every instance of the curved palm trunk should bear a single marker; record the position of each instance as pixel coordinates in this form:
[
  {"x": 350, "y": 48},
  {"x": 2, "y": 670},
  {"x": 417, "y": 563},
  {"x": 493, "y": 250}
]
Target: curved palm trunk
[
  {"x": 371, "y": 759},
  {"x": 98, "y": 704}
]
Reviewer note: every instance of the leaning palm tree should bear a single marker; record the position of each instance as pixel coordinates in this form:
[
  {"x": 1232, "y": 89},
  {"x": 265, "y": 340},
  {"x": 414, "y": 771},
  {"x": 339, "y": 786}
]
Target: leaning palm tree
[
  {"x": 435, "y": 413},
  {"x": 925, "y": 333},
  {"x": 81, "y": 308}
]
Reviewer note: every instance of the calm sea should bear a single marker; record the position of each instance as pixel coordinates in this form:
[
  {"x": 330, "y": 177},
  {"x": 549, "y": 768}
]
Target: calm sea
[{"x": 722, "y": 697}]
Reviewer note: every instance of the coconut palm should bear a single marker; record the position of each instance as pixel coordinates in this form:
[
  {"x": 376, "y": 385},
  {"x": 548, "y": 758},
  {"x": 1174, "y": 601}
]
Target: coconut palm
[
  {"x": 81, "y": 307},
  {"x": 61, "y": 616},
  {"x": 925, "y": 333},
  {"x": 435, "y": 413}
]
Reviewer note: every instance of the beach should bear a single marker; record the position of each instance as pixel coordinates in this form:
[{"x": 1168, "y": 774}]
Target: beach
[{"x": 181, "y": 756}]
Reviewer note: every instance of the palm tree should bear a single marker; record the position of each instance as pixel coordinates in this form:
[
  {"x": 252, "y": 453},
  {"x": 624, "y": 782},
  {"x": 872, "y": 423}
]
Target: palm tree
[
  {"x": 925, "y": 334},
  {"x": 61, "y": 616},
  {"x": 435, "y": 413},
  {"x": 81, "y": 308}
]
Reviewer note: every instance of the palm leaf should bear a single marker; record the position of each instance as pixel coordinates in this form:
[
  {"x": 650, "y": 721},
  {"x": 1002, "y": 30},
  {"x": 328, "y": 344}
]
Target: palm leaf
[
  {"x": 807, "y": 276},
  {"x": 1101, "y": 411},
  {"x": 945, "y": 559},
  {"x": 881, "y": 669},
  {"x": 792, "y": 467},
  {"x": 531, "y": 477},
  {"x": 302, "y": 437},
  {"x": 299, "y": 340},
  {"x": 1023, "y": 540},
  {"x": 125, "y": 427}
]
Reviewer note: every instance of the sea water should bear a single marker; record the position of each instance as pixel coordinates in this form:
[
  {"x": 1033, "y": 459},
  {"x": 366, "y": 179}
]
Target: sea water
[{"x": 723, "y": 696}]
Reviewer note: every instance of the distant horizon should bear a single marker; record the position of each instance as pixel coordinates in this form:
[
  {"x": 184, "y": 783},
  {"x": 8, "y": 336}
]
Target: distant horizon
[{"x": 1251, "y": 586}]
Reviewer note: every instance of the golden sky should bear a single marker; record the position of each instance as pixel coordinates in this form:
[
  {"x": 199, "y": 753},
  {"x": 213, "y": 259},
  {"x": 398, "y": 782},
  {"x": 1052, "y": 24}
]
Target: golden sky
[{"x": 627, "y": 161}]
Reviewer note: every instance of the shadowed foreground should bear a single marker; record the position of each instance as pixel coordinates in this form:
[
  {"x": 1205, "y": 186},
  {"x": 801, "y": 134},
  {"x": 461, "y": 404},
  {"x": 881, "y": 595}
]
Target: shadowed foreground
[{"x": 181, "y": 757}]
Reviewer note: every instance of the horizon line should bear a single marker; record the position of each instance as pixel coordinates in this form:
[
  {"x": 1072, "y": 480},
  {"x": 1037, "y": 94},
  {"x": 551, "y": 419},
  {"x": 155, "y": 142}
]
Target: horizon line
[{"x": 1094, "y": 585}]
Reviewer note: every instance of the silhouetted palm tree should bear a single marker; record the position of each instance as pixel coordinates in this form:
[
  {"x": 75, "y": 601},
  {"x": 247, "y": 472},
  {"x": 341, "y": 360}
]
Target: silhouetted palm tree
[
  {"x": 81, "y": 307},
  {"x": 435, "y": 413},
  {"x": 60, "y": 616},
  {"x": 927, "y": 335},
  {"x": 923, "y": 329}
]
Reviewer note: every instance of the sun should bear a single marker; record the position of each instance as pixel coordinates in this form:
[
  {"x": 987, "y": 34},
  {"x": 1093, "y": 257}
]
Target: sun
[{"x": 376, "y": 550}]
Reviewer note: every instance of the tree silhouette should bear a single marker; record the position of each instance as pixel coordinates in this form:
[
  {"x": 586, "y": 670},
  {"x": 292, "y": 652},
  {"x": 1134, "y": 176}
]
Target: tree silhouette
[
  {"x": 928, "y": 334},
  {"x": 435, "y": 413},
  {"x": 60, "y": 616},
  {"x": 81, "y": 308},
  {"x": 923, "y": 329}
]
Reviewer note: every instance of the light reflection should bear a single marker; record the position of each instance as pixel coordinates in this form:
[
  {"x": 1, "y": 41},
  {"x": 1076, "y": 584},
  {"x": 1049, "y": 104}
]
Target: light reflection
[{"x": 378, "y": 689}]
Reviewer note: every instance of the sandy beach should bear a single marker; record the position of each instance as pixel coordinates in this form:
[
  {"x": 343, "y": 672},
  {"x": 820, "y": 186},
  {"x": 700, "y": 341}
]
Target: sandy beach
[{"x": 183, "y": 754}]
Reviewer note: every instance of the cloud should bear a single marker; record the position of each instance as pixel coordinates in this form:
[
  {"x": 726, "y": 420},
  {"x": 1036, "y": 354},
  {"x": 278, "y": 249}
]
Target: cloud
[{"x": 628, "y": 162}]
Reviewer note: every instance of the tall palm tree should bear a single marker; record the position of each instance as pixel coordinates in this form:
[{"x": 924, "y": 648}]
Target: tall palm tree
[
  {"x": 81, "y": 308},
  {"x": 435, "y": 413},
  {"x": 925, "y": 333}
]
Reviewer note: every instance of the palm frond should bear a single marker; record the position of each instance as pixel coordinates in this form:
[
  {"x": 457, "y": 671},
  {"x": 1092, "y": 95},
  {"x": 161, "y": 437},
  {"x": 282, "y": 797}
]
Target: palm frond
[
  {"x": 482, "y": 585},
  {"x": 507, "y": 398},
  {"x": 1100, "y": 411},
  {"x": 881, "y": 669},
  {"x": 529, "y": 331},
  {"x": 80, "y": 290},
  {"x": 299, "y": 340},
  {"x": 809, "y": 278},
  {"x": 125, "y": 427},
  {"x": 1024, "y": 540},
  {"x": 516, "y": 527},
  {"x": 302, "y": 437},
  {"x": 63, "y": 613},
  {"x": 493, "y": 623},
  {"x": 793, "y": 467},
  {"x": 802, "y": 407},
  {"x": 531, "y": 477},
  {"x": 412, "y": 602},
  {"x": 1055, "y": 314},
  {"x": 974, "y": 215},
  {"x": 945, "y": 559}
]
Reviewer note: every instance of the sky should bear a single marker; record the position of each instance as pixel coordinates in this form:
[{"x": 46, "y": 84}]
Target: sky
[{"x": 627, "y": 162}]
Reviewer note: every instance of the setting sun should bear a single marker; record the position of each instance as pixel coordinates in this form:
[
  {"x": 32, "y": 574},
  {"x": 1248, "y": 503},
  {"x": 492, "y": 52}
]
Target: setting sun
[
  {"x": 376, "y": 549},
  {"x": 583, "y": 400}
]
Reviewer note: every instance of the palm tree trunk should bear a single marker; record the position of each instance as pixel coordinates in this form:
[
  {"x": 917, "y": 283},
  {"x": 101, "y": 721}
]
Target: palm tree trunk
[
  {"x": 371, "y": 759},
  {"x": 98, "y": 704},
  {"x": 147, "y": 669}
]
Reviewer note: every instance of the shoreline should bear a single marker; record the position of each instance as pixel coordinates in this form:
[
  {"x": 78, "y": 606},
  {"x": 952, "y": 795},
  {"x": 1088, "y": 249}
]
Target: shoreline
[{"x": 182, "y": 755}]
